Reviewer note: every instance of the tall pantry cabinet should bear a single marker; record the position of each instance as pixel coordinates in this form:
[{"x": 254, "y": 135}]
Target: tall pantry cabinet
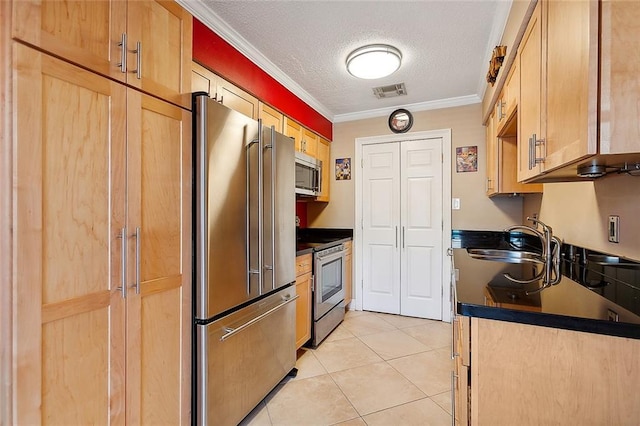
[{"x": 101, "y": 222}]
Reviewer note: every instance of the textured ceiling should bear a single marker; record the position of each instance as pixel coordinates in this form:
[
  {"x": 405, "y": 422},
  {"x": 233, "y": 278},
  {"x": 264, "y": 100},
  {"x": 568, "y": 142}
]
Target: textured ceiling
[{"x": 446, "y": 46}]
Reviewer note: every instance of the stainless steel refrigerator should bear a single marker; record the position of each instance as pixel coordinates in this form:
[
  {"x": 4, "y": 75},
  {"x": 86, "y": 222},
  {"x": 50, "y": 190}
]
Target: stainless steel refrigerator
[{"x": 244, "y": 330}]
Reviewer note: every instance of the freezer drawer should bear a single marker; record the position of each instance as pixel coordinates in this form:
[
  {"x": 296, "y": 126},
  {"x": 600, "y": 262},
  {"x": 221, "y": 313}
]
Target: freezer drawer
[{"x": 240, "y": 358}]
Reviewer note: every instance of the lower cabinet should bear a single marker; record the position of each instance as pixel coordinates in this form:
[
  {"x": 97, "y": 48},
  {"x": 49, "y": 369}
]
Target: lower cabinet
[
  {"x": 511, "y": 373},
  {"x": 303, "y": 303},
  {"x": 348, "y": 273}
]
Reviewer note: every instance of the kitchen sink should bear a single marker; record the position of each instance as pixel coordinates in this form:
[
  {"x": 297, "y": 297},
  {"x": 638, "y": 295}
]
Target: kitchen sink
[{"x": 506, "y": 256}]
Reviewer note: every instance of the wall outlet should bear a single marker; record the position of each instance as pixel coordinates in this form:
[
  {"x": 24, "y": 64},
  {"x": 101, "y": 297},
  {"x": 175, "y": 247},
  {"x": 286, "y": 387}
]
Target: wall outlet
[
  {"x": 614, "y": 229},
  {"x": 455, "y": 203}
]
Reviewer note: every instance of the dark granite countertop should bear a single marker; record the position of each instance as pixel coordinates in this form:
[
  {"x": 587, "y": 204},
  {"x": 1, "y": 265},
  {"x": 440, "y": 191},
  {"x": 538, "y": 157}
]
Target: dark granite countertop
[
  {"x": 309, "y": 240},
  {"x": 569, "y": 305}
]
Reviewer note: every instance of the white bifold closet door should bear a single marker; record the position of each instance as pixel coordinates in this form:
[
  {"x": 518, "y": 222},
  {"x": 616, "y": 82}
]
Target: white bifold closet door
[{"x": 402, "y": 228}]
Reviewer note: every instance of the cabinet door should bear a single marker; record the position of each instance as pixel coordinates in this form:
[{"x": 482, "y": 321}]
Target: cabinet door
[
  {"x": 237, "y": 99},
  {"x": 620, "y": 89},
  {"x": 348, "y": 270},
  {"x": 324, "y": 155},
  {"x": 271, "y": 117},
  {"x": 303, "y": 309},
  {"x": 159, "y": 232},
  {"x": 309, "y": 142},
  {"x": 571, "y": 82},
  {"x": 83, "y": 32},
  {"x": 513, "y": 89},
  {"x": 203, "y": 80},
  {"x": 293, "y": 130},
  {"x": 162, "y": 67},
  {"x": 492, "y": 157},
  {"x": 69, "y": 206},
  {"x": 529, "y": 112}
]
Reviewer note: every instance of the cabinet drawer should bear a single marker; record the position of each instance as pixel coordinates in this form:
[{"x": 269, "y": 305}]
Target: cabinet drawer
[{"x": 303, "y": 264}]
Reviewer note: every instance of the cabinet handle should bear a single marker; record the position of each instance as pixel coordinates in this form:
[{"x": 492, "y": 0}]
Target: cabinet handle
[
  {"x": 138, "y": 237},
  {"x": 531, "y": 153},
  {"x": 536, "y": 143},
  {"x": 123, "y": 53},
  {"x": 138, "y": 53},
  {"x": 221, "y": 99},
  {"x": 123, "y": 262},
  {"x": 453, "y": 397}
]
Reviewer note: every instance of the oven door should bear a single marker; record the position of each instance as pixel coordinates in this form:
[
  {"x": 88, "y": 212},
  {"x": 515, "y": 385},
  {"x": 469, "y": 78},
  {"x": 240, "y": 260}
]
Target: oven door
[{"x": 328, "y": 282}]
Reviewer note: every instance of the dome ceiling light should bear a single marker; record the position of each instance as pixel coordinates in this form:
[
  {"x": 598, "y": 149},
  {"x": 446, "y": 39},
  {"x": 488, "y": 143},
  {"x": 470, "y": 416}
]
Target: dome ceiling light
[{"x": 374, "y": 61}]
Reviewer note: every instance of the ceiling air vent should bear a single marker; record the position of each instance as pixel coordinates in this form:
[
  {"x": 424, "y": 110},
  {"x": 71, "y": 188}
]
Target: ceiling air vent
[{"x": 390, "y": 91}]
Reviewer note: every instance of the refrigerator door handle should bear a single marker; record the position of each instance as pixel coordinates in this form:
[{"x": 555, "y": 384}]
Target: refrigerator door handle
[
  {"x": 229, "y": 331},
  {"x": 250, "y": 271},
  {"x": 272, "y": 146}
]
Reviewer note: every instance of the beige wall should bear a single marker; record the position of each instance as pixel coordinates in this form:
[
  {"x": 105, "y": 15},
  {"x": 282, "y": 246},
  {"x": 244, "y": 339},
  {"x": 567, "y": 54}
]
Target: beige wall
[
  {"x": 578, "y": 212},
  {"x": 477, "y": 211}
]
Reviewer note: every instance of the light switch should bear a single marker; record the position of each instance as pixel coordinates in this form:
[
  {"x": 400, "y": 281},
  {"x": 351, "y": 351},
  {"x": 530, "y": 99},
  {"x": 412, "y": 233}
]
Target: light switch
[
  {"x": 455, "y": 203},
  {"x": 614, "y": 229}
]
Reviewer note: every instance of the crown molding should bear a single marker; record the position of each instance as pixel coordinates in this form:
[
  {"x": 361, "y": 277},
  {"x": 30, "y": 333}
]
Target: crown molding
[
  {"x": 415, "y": 107},
  {"x": 200, "y": 11}
]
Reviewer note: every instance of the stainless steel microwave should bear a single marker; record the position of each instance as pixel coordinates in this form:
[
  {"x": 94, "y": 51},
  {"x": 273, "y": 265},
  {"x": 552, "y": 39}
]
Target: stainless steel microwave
[{"x": 308, "y": 175}]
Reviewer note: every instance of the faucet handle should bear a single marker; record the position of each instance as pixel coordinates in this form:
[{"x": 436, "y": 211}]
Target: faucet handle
[{"x": 544, "y": 226}]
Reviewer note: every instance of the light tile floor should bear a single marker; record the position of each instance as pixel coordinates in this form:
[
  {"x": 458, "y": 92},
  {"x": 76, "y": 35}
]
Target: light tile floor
[{"x": 374, "y": 369}]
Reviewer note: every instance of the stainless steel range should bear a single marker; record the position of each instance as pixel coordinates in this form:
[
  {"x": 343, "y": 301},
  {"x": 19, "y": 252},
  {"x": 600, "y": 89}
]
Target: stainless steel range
[{"x": 328, "y": 291}]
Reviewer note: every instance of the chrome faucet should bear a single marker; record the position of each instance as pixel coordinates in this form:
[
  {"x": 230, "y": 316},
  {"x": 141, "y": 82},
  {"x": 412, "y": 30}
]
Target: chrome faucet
[{"x": 550, "y": 253}]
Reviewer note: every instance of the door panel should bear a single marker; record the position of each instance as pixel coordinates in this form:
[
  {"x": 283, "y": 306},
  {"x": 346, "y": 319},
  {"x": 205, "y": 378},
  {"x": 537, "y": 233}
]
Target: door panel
[
  {"x": 381, "y": 219},
  {"x": 69, "y": 201},
  {"x": 158, "y": 338},
  {"x": 402, "y": 221},
  {"x": 421, "y": 218}
]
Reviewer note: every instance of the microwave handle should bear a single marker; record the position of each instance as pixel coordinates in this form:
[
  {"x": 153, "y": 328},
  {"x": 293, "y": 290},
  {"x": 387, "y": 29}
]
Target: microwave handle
[{"x": 318, "y": 175}]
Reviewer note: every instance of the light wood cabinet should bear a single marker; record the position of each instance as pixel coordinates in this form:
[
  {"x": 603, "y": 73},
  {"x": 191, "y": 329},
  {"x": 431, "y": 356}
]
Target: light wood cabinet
[
  {"x": 157, "y": 35},
  {"x": 529, "y": 108},
  {"x": 305, "y": 140},
  {"x": 324, "y": 155},
  {"x": 348, "y": 270},
  {"x": 507, "y": 104},
  {"x": 492, "y": 156},
  {"x": 223, "y": 91},
  {"x": 582, "y": 110},
  {"x": 525, "y": 374},
  {"x": 502, "y": 160},
  {"x": 271, "y": 117},
  {"x": 102, "y": 307},
  {"x": 303, "y": 303}
]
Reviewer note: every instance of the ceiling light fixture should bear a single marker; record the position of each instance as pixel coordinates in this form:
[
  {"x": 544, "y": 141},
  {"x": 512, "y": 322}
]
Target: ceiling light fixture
[{"x": 374, "y": 61}]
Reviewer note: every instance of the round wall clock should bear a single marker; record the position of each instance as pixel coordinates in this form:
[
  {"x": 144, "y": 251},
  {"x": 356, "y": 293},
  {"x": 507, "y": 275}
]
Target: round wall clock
[{"x": 400, "y": 121}]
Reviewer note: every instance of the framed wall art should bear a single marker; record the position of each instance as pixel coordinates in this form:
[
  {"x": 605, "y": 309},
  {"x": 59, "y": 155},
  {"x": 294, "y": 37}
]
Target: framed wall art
[{"x": 467, "y": 159}]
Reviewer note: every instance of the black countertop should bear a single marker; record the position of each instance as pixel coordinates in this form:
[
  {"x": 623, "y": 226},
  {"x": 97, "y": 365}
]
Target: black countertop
[
  {"x": 588, "y": 295},
  {"x": 309, "y": 240}
]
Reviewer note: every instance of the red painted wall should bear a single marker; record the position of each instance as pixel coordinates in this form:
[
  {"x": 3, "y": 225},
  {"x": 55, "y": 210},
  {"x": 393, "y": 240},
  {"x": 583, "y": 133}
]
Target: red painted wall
[{"x": 213, "y": 52}]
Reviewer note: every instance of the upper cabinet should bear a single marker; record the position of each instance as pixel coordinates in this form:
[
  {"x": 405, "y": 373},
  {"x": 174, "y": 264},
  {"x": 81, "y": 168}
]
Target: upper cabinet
[
  {"x": 144, "y": 43},
  {"x": 306, "y": 141},
  {"x": 271, "y": 117},
  {"x": 219, "y": 89},
  {"x": 324, "y": 155},
  {"x": 569, "y": 82},
  {"x": 530, "y": 64}
]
